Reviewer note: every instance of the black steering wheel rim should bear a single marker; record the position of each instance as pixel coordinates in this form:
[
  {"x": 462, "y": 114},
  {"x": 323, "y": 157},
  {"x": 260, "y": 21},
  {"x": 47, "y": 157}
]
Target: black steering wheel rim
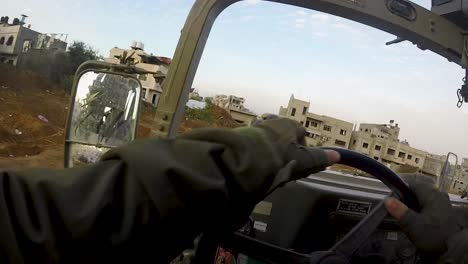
[{"x": 381, "y": 172}]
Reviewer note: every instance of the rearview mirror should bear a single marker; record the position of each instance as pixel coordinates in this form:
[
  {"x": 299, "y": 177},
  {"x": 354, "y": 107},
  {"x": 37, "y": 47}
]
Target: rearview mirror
[
  {"x": 103, "y": 115},
  {"x": 449, "y": 171}
]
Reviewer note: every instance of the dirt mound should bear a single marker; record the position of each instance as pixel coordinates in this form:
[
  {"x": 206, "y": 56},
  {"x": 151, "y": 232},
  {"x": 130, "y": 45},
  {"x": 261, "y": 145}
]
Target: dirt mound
[
  {"x": 22, "y": 80},
  {"x": 25, "y": 127},
  {"x": 212, "y": 116},
  {"x": 145, "y": 120},
  {"x": 223, "y": 118},
  {"x": 32, "y": 113}
]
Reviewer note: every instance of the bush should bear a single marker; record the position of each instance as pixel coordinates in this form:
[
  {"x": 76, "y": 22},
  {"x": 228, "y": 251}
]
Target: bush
[
  {"x": 67, "y": 83},
  {"x": 59, "y": 67},
  {"x": 205, "y": 114}
]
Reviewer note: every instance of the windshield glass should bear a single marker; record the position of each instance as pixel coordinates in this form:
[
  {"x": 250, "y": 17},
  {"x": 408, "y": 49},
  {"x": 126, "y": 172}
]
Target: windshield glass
[
  {"x": 395, "y": 103},
  {"x": 338, "y": 78}
]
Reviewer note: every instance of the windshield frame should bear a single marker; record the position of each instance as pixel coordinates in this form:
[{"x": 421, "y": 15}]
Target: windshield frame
[{"x": 427, "y": 31}]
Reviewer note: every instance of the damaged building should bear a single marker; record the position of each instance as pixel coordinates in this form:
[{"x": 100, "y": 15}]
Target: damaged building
[
  {"x": 152, "y": 83},
  {"x": 321, "y": 130},
  {"x": 18, "y": 41},
  {"x": 235, "y": 106},
  {"x": 378, "y": 141}
]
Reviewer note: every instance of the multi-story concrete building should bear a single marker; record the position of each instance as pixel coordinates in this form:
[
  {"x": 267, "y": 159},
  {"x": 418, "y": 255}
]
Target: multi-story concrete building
[
  {"x": 380, "y": 141},
  {"x": 235, "y": 106},
  {"x": 321, "y": 130},
  {"x": 460, "y": 181},
  {"x": 433, "y": 165},
  {"x": 18, "y": 41},
  {"x": 152, "y": 83}
]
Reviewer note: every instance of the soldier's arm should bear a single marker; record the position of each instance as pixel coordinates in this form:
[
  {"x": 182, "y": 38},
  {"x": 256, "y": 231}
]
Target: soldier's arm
[
  {"x": 149, "y": 199},
  {"x": 457, "y": 249}
]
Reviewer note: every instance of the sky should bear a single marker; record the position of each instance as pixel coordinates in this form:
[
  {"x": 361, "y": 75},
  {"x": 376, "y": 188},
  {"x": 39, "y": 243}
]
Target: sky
[{"x": 265, "y": 52}]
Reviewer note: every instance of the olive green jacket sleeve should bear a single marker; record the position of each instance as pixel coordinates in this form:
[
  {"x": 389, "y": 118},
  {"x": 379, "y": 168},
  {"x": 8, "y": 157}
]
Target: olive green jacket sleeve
[
  {"x": 145, "y": 202},
  {"x": 457, "y": 249}
]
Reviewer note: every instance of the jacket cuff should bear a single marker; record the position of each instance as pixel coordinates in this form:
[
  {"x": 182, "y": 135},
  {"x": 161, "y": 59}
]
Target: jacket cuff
[{"x": 457, "y": 249}]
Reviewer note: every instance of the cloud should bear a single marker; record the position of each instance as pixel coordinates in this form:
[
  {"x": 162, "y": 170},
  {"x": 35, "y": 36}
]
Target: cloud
[
  {"x": 348, "y": 28},
  {"x": 319, "y": 34},
  {"x": 320, "y": 18},
  {"x": 251, "y": 2},
  {"x": 301, "y": 13},
  {"x": 299, "y": 25},
  {"x": 300, "y": 22},
  {"x": 247, "y": 18}
]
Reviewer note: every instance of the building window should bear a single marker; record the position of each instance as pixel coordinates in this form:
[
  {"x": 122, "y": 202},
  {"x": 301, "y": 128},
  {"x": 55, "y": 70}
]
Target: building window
[
  {"x": 340, "y": 143},
  {"x": 391, "y": 152},
  {"x": 410, "y": 157},
  {"x": 293, "y": 112},
  {"x": 2, "y": 59},
  {"x": 160, "y": 80},
  {"x": 354, "y": 142},
  {"x": 304, "y": 111},
  {"x": 377, "y": 147},
  {"x": 302, "y": 123},
  {"x": 416, "y": 160},
  {"x": 327, "y": 128},
  {"x": 307, "y": 123},
  {"x": 10, "y": 62},
  {"x": 2, "y": 40},
  {"x": 376, "y": 158},
  {"x": 314, "y": 124},
  {"x": 143, "y": 93},
  {"x": 343, "y": 132},
  {"x": 401, "y": 155},
  {"x": 10, "y": 41},
  {"x": 142, "y": 77},
  {"x": 154, "y": 101},
  {"x": 367, "y": 130},
  {"x": 365, "y": 145},
  {"x": 26, "y": 45}
]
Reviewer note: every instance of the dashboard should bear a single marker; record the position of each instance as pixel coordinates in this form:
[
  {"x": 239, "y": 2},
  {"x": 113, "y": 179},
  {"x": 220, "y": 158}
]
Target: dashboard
[{"x": 315, "y": 213}]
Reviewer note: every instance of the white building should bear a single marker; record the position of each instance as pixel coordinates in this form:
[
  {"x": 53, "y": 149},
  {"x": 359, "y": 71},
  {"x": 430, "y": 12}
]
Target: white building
[
  {"x": 152, "y": 83},
  {"x": 18, "y": 41}
]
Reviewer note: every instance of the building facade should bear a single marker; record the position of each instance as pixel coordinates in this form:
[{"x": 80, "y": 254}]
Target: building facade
[
  {"x": 321, "y": 130},
  {"x": 433, "y": 165},
  {"x": 152, "y": 83},
  {"x": 235, "y": 107},
  {"x": 380, "y": 142},
  {"x": 460, "y": 181},
  {"x": 18, "y": 40}
]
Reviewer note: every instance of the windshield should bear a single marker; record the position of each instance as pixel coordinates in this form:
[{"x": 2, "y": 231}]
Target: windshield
[{"x": 395, "y": 103}]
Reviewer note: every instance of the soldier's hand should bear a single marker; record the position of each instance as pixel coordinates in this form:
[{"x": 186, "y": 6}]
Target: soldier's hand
[
  {"x": 430, "y": 229},
  {"x": 289, "y": 137},
  {"x": 257, "y": 160}
]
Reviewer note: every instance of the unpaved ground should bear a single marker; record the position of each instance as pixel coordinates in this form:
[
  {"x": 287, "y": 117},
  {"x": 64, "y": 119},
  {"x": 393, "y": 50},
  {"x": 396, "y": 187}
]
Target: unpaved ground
[
  {"x": 33, "y": 114},
  {"x": 32, "y": 120}
]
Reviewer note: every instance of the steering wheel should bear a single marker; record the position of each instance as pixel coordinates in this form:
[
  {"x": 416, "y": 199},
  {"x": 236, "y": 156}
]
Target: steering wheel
[{"x": 343, "y": 250}]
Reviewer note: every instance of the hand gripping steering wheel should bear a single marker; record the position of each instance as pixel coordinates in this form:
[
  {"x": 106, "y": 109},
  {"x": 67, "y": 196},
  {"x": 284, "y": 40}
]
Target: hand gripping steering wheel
[{"x": 343, "y": 250}]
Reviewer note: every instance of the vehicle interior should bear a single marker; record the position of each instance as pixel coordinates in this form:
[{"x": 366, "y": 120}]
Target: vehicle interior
[
  {"x": 329, "y": 217},
  {"x": 326, "y": 218}
]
